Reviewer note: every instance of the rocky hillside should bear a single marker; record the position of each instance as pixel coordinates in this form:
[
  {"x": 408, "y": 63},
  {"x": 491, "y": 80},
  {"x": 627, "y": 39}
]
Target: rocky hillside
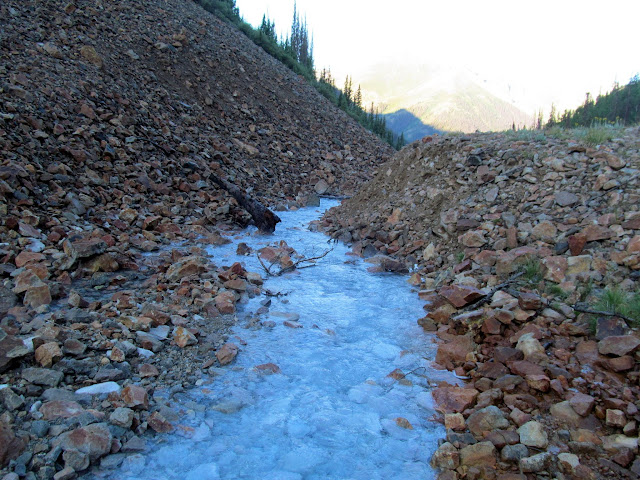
[
  {"x": 113, "y": 116},
  {"x": 513, "y": 237}
]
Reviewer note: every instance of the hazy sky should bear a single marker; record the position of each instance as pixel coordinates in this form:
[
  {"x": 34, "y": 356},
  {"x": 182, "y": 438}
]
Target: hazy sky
[{"x": 546, "y": 50}]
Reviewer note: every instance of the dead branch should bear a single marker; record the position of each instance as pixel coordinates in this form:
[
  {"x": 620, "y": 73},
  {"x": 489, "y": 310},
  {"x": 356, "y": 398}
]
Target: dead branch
[
  {"x": 484, "y": 299},
  {"x": 309, "y": 261},
  {"x": 628, "y": 320}
]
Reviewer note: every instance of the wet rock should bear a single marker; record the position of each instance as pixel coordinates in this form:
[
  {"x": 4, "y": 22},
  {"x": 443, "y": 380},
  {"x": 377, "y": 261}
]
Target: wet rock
[
  {"x": 159, "y": 424},
  {"x": 227, "y": 353}
]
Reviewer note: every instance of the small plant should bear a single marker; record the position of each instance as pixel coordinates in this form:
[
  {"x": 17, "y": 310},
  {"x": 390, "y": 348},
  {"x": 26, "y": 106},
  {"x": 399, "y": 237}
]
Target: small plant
[
  {"x": 556, "y": 291},
  {"x": 592, "y": 325},
  {"x": 598, "y": 135},
  {"x": 459, "y": 257},
  {"x": 532, "y": 270},
  {"x": 615, "y": 300},
  {"x": 586, "y": 290}
]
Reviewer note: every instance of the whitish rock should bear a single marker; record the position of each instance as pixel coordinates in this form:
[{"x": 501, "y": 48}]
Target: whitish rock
[
  {"x": 568, "y": 462},
  {"x": 532, "y": 434},
  {"x": 99, "y": 389},
  {"x": 536, "y": 463},
  {"x": 530, "y": 347}
]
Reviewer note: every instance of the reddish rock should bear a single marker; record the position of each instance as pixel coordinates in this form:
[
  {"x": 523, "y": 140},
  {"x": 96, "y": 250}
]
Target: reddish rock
[
  {"x": 48, "y": 353},
  {"x": 271, "y": 368},
  {"x": 556, "y": 268},
  {"x": 529, "y": 301},
  {"x": 595, "y": 233},
  {"x": 183, "y": 337},
  {"x": 147, "y": 370},
  {"x": 577, "y": 243},
  {"x": 38, "y": 296},
  {"x": 582, "y": 404},
  {"x": 226, "y": 302},
  {"x": 482, "y": 454},
  {"x": 93, "y": 440},
  {"x": 227, "y": 353},
  {"x": 159, "y": 424},
  {"x": 618, "y": 345},
  {"x": 10, "y": 445},
  {"x": 621, "y": 364},
  {"x": 56, "y": 409},
  {"x": 473, "y": 238},
  {"x": 632, "y": 247},
  {"x": 193, "y": 265},
  {"x": 442, "y": 314},
  {"x": 460, "y": 295},
  {"x": 454, "y": 399},
  {"x": 454, "y": 351},
  {"x": 11, "y": 350},
  {"x": 135, "y": 397},
  {"x": 525, "y": 368},
  {"x": 26, "y": 257}
]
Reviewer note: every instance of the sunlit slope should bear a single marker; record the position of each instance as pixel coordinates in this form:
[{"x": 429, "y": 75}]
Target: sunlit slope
[{"x": 443, "y": 98}]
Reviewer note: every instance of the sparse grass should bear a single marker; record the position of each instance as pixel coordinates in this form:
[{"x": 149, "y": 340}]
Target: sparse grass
[
  {"x": 598, "y": 135},
  {"x": 615, "y": 300},
  {"x": 556, "y": 291},
  {"x": 532, "y": 271},
  {"x": 586, "y": 290}
]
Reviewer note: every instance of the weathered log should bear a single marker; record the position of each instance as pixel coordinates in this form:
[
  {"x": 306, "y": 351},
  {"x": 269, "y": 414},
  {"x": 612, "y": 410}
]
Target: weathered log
[{"x": 263, "y": 218}]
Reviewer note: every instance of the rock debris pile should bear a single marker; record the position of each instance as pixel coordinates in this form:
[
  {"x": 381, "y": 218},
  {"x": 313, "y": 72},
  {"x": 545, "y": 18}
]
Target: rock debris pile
[
  {"x": 113, "y": 116},
  {"x": 511, "y": 239}
]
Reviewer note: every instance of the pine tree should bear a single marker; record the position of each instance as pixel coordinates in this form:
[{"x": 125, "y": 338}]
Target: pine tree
[{"x": 358, "y": 98}]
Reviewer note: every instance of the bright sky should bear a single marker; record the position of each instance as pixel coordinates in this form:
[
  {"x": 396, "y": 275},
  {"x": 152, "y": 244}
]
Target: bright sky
[{"x": 547, "y": 50}]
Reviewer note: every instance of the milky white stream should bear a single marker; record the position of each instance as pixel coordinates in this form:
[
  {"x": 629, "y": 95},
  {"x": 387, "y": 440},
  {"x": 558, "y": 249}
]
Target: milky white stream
[{"x": 332, "y": 411}]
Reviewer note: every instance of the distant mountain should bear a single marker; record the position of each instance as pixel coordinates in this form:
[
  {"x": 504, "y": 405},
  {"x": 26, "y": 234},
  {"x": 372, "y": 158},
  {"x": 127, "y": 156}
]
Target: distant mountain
[{"x": 439, "y": 98}]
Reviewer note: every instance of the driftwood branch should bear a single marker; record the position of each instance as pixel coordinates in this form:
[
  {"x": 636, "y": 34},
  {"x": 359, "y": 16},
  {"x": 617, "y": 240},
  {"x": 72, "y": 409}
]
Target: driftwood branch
[
  {"x": 263, "y": 218},
  {"x": 309, "y": 261},
  {"x": 628, "y": 320}
]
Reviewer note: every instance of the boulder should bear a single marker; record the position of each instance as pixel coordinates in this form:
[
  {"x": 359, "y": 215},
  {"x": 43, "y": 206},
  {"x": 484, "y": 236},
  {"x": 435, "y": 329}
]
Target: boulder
[{"x": 487, "y": 419}]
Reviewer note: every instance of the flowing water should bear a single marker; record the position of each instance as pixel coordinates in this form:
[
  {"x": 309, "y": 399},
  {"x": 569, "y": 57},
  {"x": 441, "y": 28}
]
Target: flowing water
[{"x": 332, "y": 412}]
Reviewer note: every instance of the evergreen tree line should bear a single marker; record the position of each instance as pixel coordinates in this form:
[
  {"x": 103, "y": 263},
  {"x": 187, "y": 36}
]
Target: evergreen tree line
[
  {"x": 296, "y": 52},
  {"x": 620, "y": 105}
]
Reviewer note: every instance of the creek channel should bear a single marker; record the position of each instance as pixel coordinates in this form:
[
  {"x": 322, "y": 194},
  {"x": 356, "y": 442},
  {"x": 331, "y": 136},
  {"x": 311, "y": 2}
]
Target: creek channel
[{"x": 332, "y": 412}]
